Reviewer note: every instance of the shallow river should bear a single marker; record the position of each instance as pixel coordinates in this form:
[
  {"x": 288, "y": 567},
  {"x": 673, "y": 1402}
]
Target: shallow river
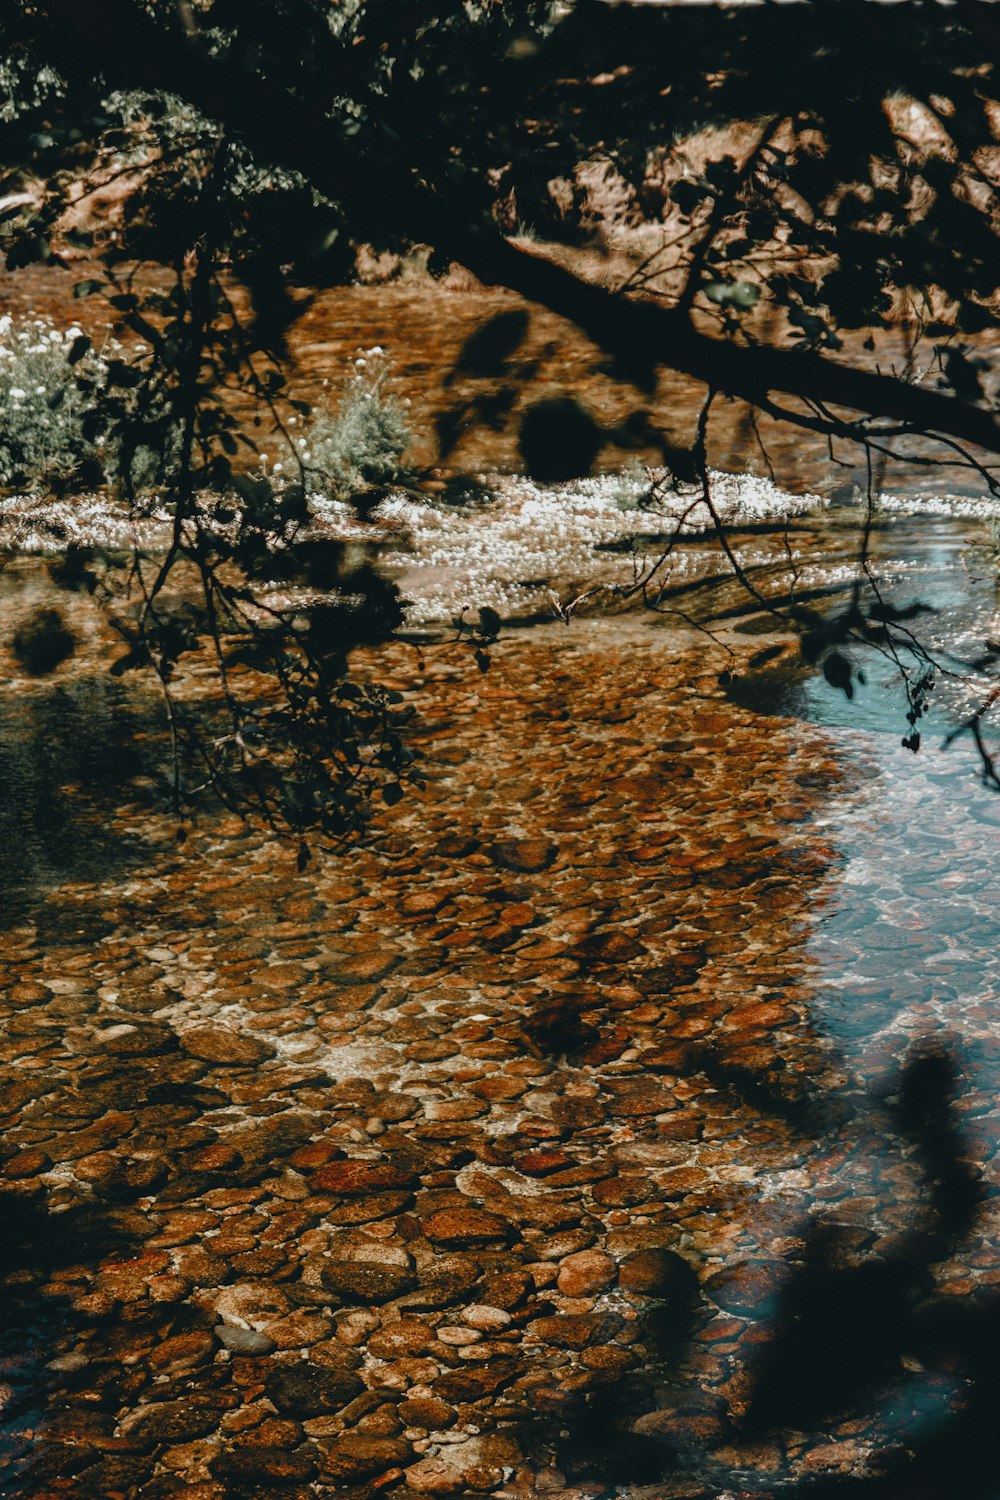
[
  {"x": 590, "y": 1130},
  {"x": 621, "y": 1119}
]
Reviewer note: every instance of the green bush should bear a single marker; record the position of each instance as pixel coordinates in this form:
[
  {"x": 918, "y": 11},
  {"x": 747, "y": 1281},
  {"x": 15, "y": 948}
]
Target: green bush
[
  {"x": 360, "y": 445},
  {"x": 68, "y": 418},
  {"x": 62, "y": 423},
  {"x": 51, "y": 382}
]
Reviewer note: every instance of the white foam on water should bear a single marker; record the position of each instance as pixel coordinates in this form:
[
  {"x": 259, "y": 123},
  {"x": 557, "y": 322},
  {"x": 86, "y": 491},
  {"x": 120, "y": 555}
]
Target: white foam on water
[
  {"x": 508, "y": 553},
  {"x": 965, "y": 507}
]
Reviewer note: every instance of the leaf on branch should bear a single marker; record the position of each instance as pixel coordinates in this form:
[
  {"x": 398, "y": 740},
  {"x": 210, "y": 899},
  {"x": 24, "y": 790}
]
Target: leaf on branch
[
  {"x": 962, "y": 374},
  {"x": 489, "y": 621},
  {"x": 687, "y": 195},
  {"x": 121, "y": 374},
  {"x": 138, "y": 656},
  {"x": 740, "y": 295},
  {"x": 838, "y": 671},
  {"x": 26, "y": 251}
]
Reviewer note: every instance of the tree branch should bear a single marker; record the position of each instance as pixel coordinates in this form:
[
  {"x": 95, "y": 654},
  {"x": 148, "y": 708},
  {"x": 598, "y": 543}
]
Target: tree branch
[{"x": 382, "y": 193}]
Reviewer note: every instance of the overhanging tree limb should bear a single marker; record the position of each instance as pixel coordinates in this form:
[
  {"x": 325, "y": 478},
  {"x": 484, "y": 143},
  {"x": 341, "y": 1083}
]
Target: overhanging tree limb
[{"x": 382, "y": 192}]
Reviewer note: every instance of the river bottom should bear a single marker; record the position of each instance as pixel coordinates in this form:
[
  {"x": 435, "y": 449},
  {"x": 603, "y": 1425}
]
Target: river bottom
[{"x": 621, "y": 1121}]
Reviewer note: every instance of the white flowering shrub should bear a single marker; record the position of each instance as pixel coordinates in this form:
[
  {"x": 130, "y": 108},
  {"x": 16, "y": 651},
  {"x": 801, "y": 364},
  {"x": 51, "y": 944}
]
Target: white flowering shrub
[
  {"x": 51, "y": 381},
  {"x": 361, "y": 444},
  {"x": 70, "y": 414}
]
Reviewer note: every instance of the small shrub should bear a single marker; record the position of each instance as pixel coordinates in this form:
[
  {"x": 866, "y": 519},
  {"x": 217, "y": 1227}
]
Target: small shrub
[
  {"x": 146, "y": 452},
  {"x": 45, "y": 400},
  {"x": 69, "y": 419},
  {"x": 59, "y": 429},
  {"x": 630, "y": 488},
  {"x": 360, "y": 445}
]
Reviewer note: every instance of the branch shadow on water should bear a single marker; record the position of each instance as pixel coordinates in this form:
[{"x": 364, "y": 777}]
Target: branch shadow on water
[
  {"x": 853, "y": 1332},
  {"x": 849, "y": 1327},
  {"x": 71, "y": 753},
  {"x": 846, "y": 1320}
]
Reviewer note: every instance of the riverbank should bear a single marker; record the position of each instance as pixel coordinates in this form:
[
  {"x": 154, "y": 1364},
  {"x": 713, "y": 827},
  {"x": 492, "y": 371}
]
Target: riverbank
[{"x": 465, "y": 414}]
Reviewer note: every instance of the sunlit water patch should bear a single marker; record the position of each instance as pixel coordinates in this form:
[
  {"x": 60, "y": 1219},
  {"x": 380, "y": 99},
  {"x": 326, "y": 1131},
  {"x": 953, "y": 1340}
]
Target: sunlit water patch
[
  {"x": 908, "y": 945},
  {"x": 506, "y": 551},
  {"x": 515, "y": 543},
  {"x": 511, "y": 552}
]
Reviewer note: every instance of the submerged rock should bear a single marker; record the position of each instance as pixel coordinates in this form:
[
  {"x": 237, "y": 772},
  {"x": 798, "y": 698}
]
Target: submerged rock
[
  {"x": 308, "y": 1391},
  {"x": 244, "y": 1340}
]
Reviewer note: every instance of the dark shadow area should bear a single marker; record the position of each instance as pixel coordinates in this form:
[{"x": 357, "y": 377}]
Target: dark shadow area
[
  {"x": 592, "y": 1436},
  {"x": 559, "y": 439},
  {"x": 958, "y": 1336},
  {"x": 847, "y": 1319},
  {"x": 489, "y": 409},
  {"x": 602, "y": 1447},
  {"x": 487, "y": 349},
  {"x": 70, "y": 753},
  {"x": 851, "y": 1324},
  {"x": 486, "y": 355},
  {"x": 557, "y": 1030},
  {"x": 35, "y": 1243},
  {"x": 75, "y": 1349},
  {"x": 771, "y": 1090},
  {"x": 35, "y": 1239},
  {"x": 43, "y": 641},
  {"x": 854, "y": 1327}
]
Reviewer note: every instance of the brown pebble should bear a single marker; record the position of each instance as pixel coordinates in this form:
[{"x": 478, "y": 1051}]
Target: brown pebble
[
  {"x": 586, "y": 1271},
  {"x": 466, "y": 1226},
  {"x": 26, "y": 1164},
  {"x": 354, "y": 1179},
  {"x": 217, "y": 1044}
]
